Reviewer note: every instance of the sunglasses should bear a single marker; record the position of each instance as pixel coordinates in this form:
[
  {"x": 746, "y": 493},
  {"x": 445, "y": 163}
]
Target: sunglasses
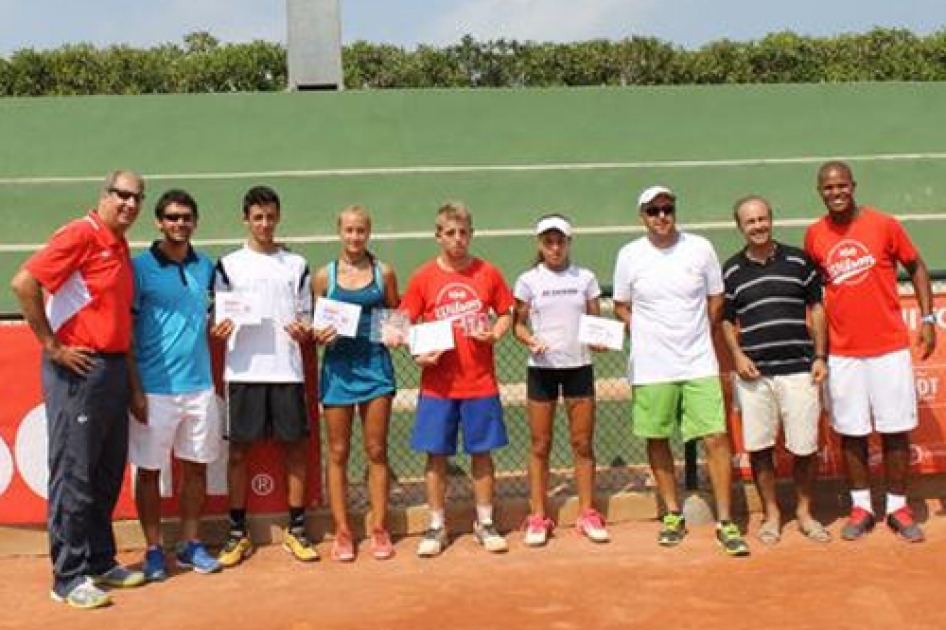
[
  {"x": 655, "y": 211},
  {"x": 174, "y": 217},
  {"x": 126, "y": 195}
]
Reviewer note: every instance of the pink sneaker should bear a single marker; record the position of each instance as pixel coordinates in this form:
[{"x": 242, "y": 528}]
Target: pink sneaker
[
  {"x": 381, "y": 546},
  {"x": 591, "y": 525},
  {"x": 343, "y": 549},
  {"x": 537, "y": 530}
]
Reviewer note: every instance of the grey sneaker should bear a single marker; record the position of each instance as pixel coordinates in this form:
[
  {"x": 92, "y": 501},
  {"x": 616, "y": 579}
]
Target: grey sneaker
[
  {"x": 85, "y": 595},
  {"x": 488, "y": 536},
  {"x": 433, "y": 543},
  {"x": 120, "y": 577}
]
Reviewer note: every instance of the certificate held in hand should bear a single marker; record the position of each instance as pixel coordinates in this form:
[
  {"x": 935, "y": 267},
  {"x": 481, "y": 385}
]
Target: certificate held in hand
[
  {"x": 431, "y": 337},
  {"x": 601, "y": 331},
  {"x": 343, "y": 316}
]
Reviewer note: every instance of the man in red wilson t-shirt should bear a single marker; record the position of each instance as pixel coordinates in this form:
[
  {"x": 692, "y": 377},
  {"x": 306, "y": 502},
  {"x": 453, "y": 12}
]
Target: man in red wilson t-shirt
[
  {"x": 458, "y": 387},
  {"x": 870, "y": 382},
  {"x": 84, "y": 329}
]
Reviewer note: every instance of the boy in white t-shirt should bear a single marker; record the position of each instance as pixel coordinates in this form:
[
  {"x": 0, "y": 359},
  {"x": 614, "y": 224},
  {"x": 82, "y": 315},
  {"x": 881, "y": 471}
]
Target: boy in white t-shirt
[
  {"x": 672, "y": 282},
  {"x": 264, "y": 374}
]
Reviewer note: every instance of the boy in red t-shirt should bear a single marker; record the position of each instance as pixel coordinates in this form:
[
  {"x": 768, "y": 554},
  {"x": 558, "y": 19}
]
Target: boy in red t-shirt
[
  {"x": 458, "y": 386},
  {"x": 871, "y": 384}
]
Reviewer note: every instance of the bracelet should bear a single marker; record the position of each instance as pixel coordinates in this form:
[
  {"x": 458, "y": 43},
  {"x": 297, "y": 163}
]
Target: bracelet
[
  {"x": 928, "y": 319},
  {"x": 821, "y": 357}
]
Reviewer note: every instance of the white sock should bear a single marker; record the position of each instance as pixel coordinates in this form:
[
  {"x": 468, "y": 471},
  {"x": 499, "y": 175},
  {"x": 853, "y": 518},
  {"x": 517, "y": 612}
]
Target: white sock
[
  {"x": 861, "y": 499},
  {"x": 484, "y": 513},
  {"x": 895, "y": 502},
  {"x": 437, "y": 519}
]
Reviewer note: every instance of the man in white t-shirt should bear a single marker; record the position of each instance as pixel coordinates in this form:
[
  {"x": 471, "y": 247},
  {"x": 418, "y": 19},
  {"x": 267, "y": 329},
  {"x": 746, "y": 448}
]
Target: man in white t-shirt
[
  {"x": 671, "y": 281},
  {"x": 264, "y": 375}
]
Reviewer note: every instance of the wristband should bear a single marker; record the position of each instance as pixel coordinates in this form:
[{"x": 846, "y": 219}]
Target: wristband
[
  {"x": 928, "y": 319},
  {"x": 821, "y": 357}
]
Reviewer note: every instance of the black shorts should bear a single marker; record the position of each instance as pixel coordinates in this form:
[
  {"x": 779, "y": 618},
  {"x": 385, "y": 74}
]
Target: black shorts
[
  {"x": 257, "y": 411},
  {"x": 546, "y": 384}
]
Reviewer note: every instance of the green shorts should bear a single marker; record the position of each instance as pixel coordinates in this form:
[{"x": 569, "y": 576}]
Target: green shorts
[{"x": 696, "y": 405}]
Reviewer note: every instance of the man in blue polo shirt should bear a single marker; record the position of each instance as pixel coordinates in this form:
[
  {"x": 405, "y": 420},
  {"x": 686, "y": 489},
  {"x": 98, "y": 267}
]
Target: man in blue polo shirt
[{"x": 178, "y": 406}]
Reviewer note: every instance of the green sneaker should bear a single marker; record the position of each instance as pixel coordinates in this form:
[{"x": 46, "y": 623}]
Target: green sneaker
[
  {"x": 730, "y": 539},
  {"x": 672, "y": 530}
]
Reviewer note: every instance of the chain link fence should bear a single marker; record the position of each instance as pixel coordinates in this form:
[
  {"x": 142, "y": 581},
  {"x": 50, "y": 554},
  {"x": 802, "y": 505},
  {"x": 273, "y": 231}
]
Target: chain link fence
[{"x": 621, "y": 457}]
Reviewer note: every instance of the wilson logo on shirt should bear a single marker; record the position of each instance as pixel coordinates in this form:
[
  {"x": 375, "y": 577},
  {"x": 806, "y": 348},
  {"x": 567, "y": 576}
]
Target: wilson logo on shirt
[
  {"x": 848, "y": 263},
  {"x": 456, "y": 300}
]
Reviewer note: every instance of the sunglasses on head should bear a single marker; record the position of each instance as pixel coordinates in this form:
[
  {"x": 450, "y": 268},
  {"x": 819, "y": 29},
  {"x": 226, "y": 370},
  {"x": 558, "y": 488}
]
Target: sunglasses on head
[
  {"x": 174, "y": 217},
  {"x": 126, "y": 195},
  {"x": 655, "y": 211}
]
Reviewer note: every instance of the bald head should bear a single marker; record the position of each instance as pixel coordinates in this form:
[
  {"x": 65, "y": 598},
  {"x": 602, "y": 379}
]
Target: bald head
[{"x": 834, "y": 166}]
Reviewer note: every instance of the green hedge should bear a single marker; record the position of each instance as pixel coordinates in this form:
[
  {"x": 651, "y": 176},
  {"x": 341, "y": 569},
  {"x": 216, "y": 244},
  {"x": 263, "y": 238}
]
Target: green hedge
[{"x": 203, "y": 64}]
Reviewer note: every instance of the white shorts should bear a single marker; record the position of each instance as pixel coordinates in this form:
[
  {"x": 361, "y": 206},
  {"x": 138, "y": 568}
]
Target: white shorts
[
  {"x": 187, "y": 423},
  {"x": 882, "y": 388},
  {"x": 790, "y": 400}
]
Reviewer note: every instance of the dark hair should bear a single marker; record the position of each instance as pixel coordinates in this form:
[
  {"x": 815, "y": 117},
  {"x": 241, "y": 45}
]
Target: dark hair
[
  {"x": 259, "y": 196},
  {"x": 539, "y": 258},
  {"x": 178, "y": 196}
]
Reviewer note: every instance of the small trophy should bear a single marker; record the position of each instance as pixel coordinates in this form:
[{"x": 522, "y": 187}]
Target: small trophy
[{"x": 389, "y": 326}]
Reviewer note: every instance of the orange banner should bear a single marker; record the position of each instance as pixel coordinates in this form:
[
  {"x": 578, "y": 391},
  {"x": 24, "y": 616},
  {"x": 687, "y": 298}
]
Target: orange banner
[
  {"x": 23, "y": 441},
  {"x": 928, "y": 439}
]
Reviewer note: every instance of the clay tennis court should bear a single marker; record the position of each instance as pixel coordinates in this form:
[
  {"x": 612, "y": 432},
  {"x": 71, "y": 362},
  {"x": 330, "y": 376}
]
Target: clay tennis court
[{"x": 879, "y": 582}]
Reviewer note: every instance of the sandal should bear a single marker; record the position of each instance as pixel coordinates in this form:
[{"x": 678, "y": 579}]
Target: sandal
[
  {"x": 769, "y": 533},
  {"x": 813, "y": 530}
]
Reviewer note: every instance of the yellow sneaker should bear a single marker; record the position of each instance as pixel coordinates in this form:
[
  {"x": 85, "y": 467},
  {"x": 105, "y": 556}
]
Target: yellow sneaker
[
  {"x": 237, "y": 547},
  {"x": 299, "y": 545}
]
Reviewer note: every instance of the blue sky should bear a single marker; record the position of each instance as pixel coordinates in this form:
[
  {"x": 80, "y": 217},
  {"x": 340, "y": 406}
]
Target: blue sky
[{"x": 50, "y": 23}]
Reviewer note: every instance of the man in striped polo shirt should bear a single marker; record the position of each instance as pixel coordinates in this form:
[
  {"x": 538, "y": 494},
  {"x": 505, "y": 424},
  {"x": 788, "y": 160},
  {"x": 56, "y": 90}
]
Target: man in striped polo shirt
[{"x": 779, "y": 358}]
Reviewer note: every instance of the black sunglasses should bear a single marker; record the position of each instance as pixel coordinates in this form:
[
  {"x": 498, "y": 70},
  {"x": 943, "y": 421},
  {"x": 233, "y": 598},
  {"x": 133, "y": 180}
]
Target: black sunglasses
[
  {"x": 174, "y": 217},
  {"x": 655, "y": 211},
  {"x": 126, "y": 195}
]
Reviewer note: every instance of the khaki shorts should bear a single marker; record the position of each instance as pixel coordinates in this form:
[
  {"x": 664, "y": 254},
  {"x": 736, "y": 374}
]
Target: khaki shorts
[
  {"x": 696, "y": 406},
  {"x": 790, "y": 400}
]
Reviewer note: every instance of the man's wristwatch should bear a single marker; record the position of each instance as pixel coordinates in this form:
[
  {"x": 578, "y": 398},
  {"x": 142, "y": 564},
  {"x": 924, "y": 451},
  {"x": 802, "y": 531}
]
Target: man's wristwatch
[
  {"x": 821, "y": 357},
  {"x": 928, "y": 319}
]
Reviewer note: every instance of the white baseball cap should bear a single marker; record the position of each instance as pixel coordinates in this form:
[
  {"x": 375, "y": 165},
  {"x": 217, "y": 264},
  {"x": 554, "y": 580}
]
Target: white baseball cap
[
  {"x": 553, "y": 223},
  {"x": 649, "y": 194}
]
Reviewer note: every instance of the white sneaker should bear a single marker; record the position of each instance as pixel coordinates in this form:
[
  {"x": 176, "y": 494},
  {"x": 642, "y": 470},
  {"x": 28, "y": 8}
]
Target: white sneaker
[
  {"x": 433, "y": 543},
  {"x": 488, "y": 536}
]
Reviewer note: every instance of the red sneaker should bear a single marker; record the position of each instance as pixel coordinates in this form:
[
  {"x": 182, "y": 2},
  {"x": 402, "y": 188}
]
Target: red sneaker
[
  {"x": 902, "y": 523},
  {"x": 858, "y": 524}
]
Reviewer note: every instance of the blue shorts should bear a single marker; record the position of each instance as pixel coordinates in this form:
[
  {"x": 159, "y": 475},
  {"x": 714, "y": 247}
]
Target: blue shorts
[{"x": 438, "y": 421}]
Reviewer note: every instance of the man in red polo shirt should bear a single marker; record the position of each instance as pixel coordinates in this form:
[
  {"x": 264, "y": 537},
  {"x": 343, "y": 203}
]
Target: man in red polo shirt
[{"x": 84, "y": 327}]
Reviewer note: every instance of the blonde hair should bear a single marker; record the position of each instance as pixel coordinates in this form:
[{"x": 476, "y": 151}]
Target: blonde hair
[
  {"x": 453, "y": 211},
  {"x": 356, "y": 210}
]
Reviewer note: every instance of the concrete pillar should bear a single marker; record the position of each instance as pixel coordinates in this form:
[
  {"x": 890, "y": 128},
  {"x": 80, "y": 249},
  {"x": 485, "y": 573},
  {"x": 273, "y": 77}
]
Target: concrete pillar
[{"x": 314, "y": 44}]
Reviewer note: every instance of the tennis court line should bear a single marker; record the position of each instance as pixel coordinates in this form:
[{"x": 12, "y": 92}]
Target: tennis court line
[
  {"x": 705, "y": 226},
  {"x": 486, "y": 168}
]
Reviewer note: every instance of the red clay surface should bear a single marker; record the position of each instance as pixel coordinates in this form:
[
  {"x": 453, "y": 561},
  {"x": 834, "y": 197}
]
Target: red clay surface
[{"x": 879, "y": 582}]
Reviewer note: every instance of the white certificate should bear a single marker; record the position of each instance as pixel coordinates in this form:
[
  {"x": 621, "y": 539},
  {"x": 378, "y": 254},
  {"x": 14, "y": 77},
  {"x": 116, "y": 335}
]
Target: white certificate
[
  {"x": 431, "y": 337},
  {"x": 601, "y": 331},
  {"x": 340, "y": 315},
  {"x": 241, "y": 308}
]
